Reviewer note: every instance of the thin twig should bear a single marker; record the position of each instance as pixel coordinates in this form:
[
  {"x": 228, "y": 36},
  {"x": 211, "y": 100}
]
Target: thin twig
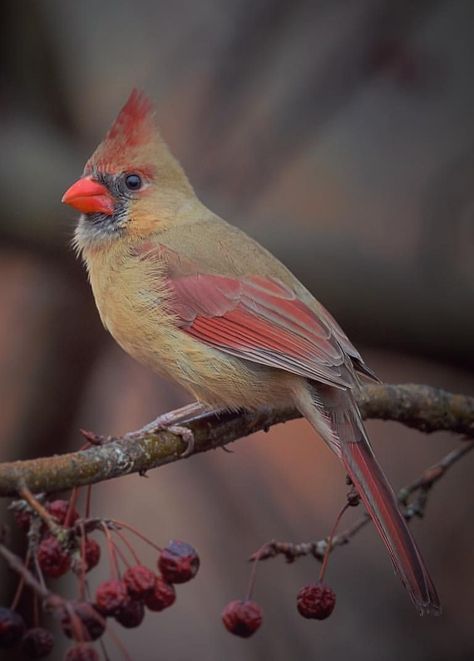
[
  {"x": 422, "y": 485},
  {"x": 17, "y": 565},
  {"x": 40, "y": 510}
]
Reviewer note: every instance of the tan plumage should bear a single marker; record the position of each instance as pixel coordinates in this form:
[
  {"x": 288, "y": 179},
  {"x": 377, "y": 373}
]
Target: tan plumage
[{"x": 199, "y": 301}]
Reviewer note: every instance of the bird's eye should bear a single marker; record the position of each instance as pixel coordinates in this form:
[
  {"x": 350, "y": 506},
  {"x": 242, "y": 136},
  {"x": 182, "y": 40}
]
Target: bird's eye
[{"x": 133, "y": 182}]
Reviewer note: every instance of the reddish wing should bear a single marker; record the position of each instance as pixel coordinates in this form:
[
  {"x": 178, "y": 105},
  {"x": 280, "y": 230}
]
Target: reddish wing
[{"x": 261, "y": 320}]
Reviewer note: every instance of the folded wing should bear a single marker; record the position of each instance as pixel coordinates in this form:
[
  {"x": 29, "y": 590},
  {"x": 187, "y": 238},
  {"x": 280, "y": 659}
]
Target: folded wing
[{"x": 261, "y": 320}]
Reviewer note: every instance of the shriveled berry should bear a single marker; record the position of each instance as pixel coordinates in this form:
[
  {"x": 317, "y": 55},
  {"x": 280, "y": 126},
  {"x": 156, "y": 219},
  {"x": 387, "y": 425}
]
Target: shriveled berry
[
  {"x": 162, "y": 597},
  {"x": 242, "y": 618},
  {"x": 131, "y": 614},
  {"x": 52, "y": 558},
  {"x": 12, "y": 627},
  {"x": 178, "y": 562},
  {"x": 111, "y": 596},
  {"x": 316, "y": 601},
  {"x": 88, "y": 624},
  {"x": 37, "y": 643},
  {"x": 23, "y": 519},
  {"x": 91, "y": 553},
  {"x": 139, "y": 580},
  {"x": 59, "y": 509},
  {"x": 81, "y": 652}
]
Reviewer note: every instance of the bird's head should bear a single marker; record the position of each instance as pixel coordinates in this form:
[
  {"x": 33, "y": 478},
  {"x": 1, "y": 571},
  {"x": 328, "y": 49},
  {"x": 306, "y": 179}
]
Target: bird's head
[{"x": 131, "y": 185}]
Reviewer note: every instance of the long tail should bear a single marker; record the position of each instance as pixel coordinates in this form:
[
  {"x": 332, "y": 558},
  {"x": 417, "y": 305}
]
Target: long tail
[{"x": 348, "y": 438}]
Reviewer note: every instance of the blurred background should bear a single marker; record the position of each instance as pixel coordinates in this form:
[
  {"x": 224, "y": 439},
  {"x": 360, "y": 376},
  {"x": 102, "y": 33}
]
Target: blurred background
[{"x": 340, "y": 134}]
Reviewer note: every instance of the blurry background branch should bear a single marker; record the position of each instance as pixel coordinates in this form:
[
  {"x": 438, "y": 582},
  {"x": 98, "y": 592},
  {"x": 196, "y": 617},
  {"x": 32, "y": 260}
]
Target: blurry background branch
[{"x": 423, "y": 407}]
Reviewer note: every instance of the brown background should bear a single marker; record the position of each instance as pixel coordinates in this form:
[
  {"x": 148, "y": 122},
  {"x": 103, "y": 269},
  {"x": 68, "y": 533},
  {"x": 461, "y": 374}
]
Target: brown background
[{"x": 341, "y": 135}]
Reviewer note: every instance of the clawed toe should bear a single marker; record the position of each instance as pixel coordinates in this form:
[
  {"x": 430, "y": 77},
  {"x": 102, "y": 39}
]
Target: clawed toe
[{"x": 188, "y": 437}]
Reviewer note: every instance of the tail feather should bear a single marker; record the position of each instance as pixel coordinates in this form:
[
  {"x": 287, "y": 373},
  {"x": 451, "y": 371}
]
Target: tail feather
[
  {"x": 377, "y": 495},
  {"x": 380, "y": 502}
]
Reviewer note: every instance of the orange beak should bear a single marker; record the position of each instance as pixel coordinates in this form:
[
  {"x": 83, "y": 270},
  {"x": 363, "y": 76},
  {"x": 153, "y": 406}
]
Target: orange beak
[{"x": 89, "y": 196}]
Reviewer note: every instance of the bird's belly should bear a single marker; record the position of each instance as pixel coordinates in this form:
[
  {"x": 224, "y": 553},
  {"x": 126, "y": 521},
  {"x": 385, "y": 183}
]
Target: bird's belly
[
  {"x": 212, "y": 376},
  {"x": 149, "y": 334}
]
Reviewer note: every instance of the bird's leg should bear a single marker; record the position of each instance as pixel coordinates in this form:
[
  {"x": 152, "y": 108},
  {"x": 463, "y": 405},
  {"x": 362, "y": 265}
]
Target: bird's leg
[
  {"x": 178, "y": 417},
  {"x": 175, "y": 421}
]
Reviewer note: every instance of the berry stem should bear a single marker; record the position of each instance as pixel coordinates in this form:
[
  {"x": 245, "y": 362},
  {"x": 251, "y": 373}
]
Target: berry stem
[
  {"x": 253, "y": 573},
  {"x": 104, "y": 650},
  {"x": 71, "y": 507},
  {"x": 82, "y": 576},
  {"x": 21, "y": 583},
  {"x": 39, "y": 573},
  {"x": 118, "y": 642},
  {"x": 122, "y": 524},
  {"x": 324, "y": 563},
  {"x": 76, "y": 624},
  {"x": 88, "y": 501},
  {"x": 128, "y": 545},
  {"x": 121, "y": 555},
  {"x": 18, "y": 593},
  {"x": 26, "y": 494},
  {"x": 111, "y": 549}
]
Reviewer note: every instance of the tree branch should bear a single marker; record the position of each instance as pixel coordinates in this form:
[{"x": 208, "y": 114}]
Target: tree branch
[{"x": 422, "y": 407}]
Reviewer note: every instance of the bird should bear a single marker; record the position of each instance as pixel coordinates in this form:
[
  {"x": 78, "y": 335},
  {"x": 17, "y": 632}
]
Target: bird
[{"x": 200, "y": 302}]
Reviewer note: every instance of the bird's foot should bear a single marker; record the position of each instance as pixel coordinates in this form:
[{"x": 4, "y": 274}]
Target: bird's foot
[
  {"x": 186, "y": 435},
  {"x": 173, "y": 418},
  {"x": 168, "y": 422}
]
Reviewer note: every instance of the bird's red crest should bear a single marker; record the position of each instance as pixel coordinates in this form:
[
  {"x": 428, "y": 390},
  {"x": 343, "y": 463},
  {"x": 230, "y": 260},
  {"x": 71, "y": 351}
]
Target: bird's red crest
[
  {"x": 132, "y": 123},
  {"x": 133, "y": 128}
]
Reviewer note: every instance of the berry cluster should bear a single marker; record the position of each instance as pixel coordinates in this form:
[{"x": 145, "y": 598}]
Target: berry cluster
[
  {"x": 36, "y": 643},
  {"x": 60, "y": 541},
  {"x": 243, "y": 618},
  {"x": 315, "y": 601}
]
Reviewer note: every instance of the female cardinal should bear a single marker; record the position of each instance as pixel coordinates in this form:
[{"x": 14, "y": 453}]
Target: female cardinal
[{"x": 201, "y": 302}]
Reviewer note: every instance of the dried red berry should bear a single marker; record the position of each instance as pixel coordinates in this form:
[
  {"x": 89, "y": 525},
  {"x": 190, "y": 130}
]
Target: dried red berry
[
  {"x": 12, "y": 627},
  {"x": 162, "y": 597},
  {"x": 111, "y": 596},
  {"x": 37, "y": 643},
  {"x": 53, "y": 559},
  {"x": 91, "y": 553},
  {"x": 140, "y": 581},
  {"x": 178, "y": 562},
  {"x": 59, "y": 509},
  {"x": 131, "y": 614},
  {"x": 316, "y": 601},
  {"x": 88, "y": 624},
  {"x": 23, "y": 519},
  {"x": 81, "y": 652},
  {"x": 242, "y": 618}
]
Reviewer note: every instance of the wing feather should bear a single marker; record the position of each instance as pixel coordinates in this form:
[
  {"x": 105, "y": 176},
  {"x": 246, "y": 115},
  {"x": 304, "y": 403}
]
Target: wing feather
[
  {"x": 261, "y": 320},
  {"x": 257, "y": 318}
]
